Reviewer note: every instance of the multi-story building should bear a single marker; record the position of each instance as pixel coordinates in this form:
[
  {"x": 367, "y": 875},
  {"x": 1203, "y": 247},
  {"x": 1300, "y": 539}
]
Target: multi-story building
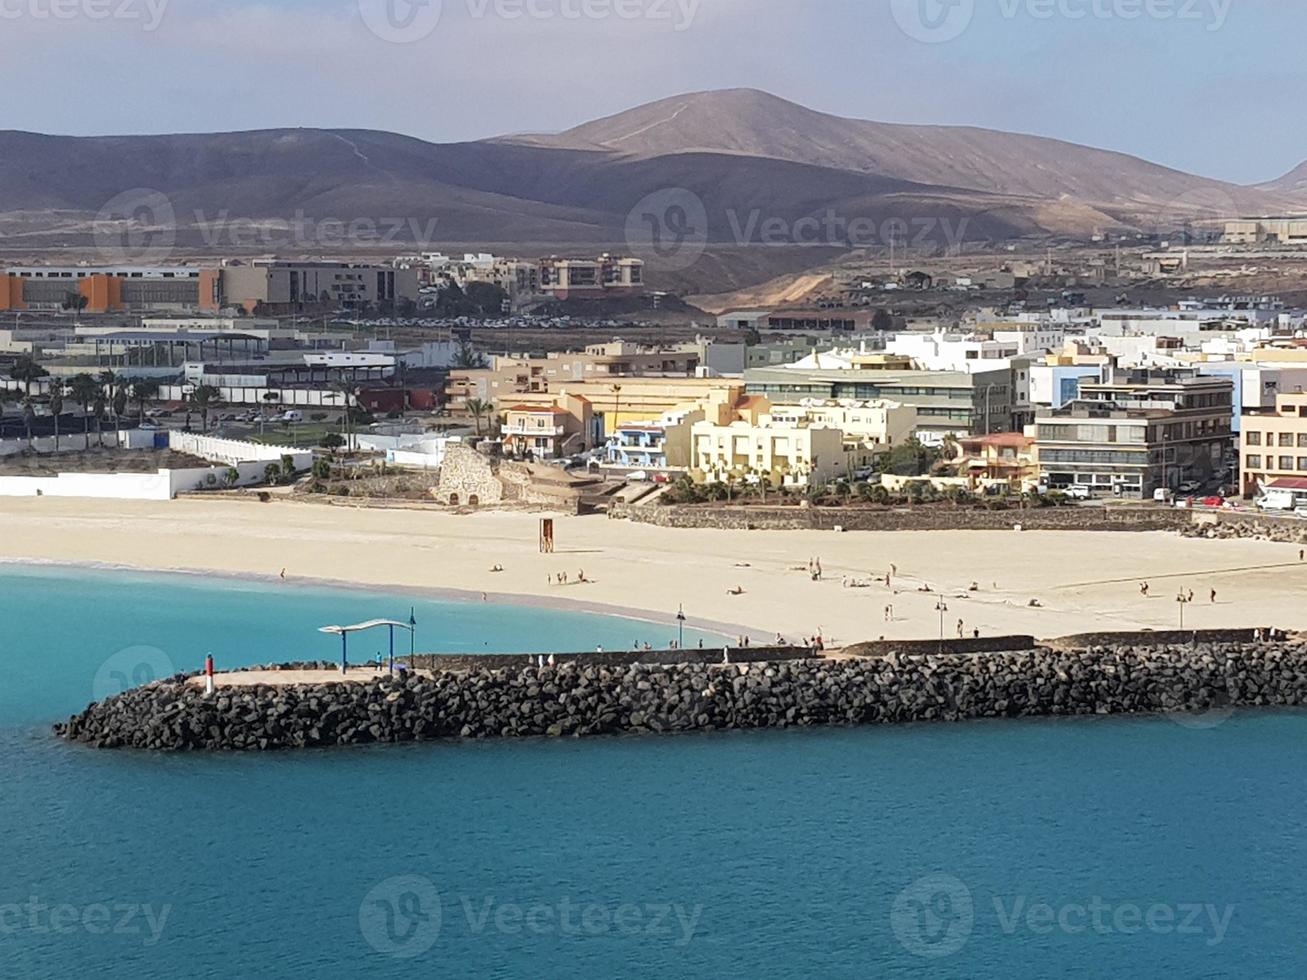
[
  {"x": 608, "y": 275},
  {"x": 109, "y": 289},
  {"x": 957, "y": 403},
  {"x": 1137, "y": 431},
  {"x": 869, "y": 428},
  {"x": 601, "y": 364},
  {"x": 550, "y": 431},
  {"x": 781, "y": 454},
  {"x": 1273, "y": 443},
  {"x": 287, "y": 287},
  {"x": 1002, "y": 458}
]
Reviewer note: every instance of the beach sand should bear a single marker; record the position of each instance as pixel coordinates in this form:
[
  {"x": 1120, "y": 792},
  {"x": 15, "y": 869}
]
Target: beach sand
[{"x": 1085, "y": 581}]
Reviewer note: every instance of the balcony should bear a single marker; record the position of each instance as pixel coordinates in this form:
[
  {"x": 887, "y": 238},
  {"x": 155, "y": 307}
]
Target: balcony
[{"x": 542, "y": 432}]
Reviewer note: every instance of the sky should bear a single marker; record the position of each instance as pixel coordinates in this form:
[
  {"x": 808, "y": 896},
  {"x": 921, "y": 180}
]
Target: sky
[{"x": 1213, "y": 87}]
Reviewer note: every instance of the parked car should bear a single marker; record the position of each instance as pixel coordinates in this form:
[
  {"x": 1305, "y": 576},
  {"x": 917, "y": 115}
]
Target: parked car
[
  {"x": 639, "y": 477},
  {"x": 1190, "y": 487},
  {"x": 1079, "y": 491}
]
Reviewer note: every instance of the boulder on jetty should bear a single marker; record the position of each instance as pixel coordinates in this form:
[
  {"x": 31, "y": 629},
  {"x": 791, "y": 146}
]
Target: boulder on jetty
[{"x": 577, "y": 699}]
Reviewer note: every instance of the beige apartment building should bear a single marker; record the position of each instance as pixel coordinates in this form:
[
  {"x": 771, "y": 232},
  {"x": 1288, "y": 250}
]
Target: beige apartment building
[
  {"x": 568, "y": 278},
  {"x": 1273, "y": 443},
  {"x": 782, "y": 454}
]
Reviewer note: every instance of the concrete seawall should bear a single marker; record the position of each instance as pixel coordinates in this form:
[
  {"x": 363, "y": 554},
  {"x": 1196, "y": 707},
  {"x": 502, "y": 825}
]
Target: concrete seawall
[{"x": 579, "y": 699}]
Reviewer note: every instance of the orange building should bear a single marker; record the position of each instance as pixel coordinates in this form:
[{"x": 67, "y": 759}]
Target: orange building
[{"x": 111, "y": 289}]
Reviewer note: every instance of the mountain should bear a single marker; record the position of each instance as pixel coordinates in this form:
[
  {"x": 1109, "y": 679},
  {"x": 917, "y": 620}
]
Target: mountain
[
  {"x": 750, "y": 123},
  {"x": 1292, "y": 185},
  {"x": 762, "y": 169}
]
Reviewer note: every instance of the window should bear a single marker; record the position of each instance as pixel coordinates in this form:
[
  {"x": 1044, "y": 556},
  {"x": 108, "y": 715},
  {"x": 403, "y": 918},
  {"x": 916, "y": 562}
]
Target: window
[
  {"x": 1302, "y": 440},
  {"x": 1286, "y": 462},
  {"x": 1302, "y": 464},
  {"x": 1286, "y": 439},
  {"x": 1254, "y": 463}
]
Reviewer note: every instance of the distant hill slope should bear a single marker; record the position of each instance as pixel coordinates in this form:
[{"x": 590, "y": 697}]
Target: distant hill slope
[
  {"x": 753, "y": 123},
  {"x": 751, "y": 158}
]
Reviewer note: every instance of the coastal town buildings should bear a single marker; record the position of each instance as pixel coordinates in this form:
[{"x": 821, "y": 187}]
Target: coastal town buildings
[
  {"x": 1003, "y": 458},
  {"x": 956, "y": 403},
  {"x": 563, "y": 428},
  {"x": 1273, "y": 443},
  {"x": 1137, "y": 431},
  {"x": 578, "y": 278}
]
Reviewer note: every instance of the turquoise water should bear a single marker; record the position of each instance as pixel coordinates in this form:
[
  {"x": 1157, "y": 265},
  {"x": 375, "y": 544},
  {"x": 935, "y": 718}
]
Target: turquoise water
[{"x": 1122, "y": 848}]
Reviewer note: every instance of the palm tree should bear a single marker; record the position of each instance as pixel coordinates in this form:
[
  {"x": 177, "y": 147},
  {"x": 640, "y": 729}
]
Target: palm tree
[
  {"x": 98, "y": 404},
  {"x": 142, "y": 392},
  {"x": 84, "y": 389},
  {"x": 29, "y": 416},
  {"x": 479, "y": 409},
  {"x": 347, "y": 392},
  {"x": 119, "y": 410},
  {"x": 56, "y": 408},
  {"x": 26, "y": 371},
  {"x": 203, "y": 397}
]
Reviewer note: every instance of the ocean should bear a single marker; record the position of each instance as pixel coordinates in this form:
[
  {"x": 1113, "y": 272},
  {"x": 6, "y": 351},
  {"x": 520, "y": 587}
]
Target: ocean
[{"x": 1025, "y": 849}]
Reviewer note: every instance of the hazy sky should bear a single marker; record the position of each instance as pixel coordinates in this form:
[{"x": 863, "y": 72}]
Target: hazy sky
[{"x": 1210, "y": 86}]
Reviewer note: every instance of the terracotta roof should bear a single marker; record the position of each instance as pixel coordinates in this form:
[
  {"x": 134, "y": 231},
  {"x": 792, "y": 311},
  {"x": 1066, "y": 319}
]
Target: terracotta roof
[{"x": 535, "y": 410}]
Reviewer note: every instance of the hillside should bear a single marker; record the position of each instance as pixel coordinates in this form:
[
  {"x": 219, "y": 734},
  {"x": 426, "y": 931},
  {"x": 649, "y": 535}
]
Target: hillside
[{"x": 756, "y": 163}]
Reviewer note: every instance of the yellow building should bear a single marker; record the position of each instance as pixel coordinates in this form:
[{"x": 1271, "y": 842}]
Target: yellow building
[
  {"x": 1273, "y": 443},
  {"x": 1002, "y": 458},
  {"x": 636, "y": 400},
  {"x": 783, "y": 455}
]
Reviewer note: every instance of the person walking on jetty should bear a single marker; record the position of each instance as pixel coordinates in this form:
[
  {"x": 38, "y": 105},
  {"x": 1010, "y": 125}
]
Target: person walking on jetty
[{"x": 1213, "y": 597}]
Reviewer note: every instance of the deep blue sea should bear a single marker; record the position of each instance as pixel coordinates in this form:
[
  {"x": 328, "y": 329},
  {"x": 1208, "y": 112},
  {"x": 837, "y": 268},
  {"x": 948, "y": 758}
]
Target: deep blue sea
[{"x": 1119, "y": 848}]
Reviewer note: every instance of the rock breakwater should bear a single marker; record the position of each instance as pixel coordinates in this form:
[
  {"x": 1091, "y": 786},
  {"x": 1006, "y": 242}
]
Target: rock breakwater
[{"x": 579, "y": 699}]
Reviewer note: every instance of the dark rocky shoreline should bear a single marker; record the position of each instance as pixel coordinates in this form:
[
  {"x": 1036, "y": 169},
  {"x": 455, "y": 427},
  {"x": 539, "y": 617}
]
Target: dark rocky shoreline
[{"x": 579, "y": 699}]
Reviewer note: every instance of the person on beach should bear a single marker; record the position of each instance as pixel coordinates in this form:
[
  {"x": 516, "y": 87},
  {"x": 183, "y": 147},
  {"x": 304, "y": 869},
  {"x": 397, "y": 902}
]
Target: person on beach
[
  {"x": 889, "y": 614},
  {"x": 1213, "y": 597},
  {"x": 962, "y": 629},
  {"x": 1143, "y": 589},
  {"x": 283, "y": 574},
  {"x": 738, "y": 590}
]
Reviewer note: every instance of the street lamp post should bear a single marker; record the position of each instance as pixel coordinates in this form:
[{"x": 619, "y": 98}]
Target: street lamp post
[
  {"x": 680, "y": 624},
  {"x": 941, "y": 607},
  {"x": 1182, "y": 601}
]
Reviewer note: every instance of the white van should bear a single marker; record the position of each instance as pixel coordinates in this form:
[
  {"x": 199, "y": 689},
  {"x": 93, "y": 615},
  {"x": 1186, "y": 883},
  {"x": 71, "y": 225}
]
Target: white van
[{"x": 293, "y": 417}]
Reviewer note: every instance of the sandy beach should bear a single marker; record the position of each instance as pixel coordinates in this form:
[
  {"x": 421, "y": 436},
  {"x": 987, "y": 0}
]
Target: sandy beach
[{"x": 1083, "y": 581}]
